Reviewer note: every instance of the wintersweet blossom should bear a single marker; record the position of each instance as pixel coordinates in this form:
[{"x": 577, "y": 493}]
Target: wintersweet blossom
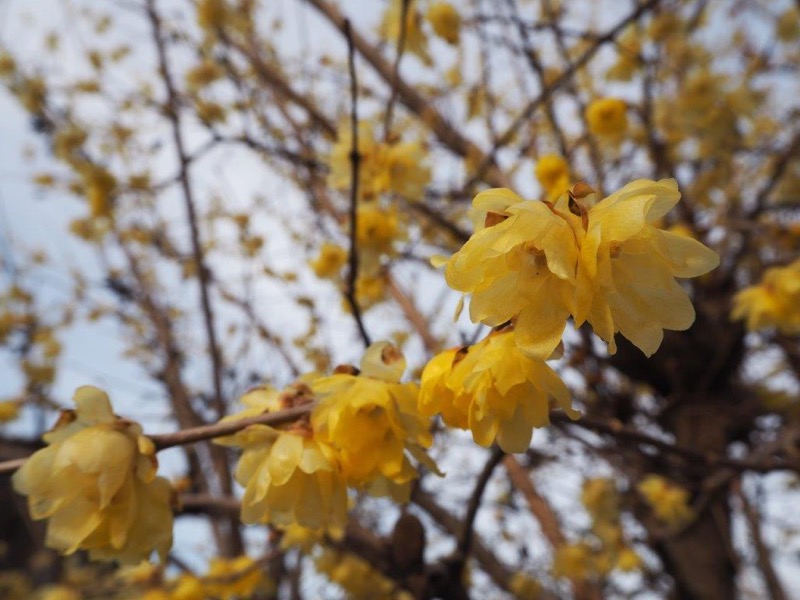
[
  {"x": 669, "y": 502},
  {"x": 538, "y": 263},
  {"x": 96, "y": 485},
  {"x": 552, "y": 173},
  {"x": 774, "y": 302},
  {"x": 521, "y": 265},
  {"x": 369, "y": 425},
  {"x": 287, "y": 475},
  {"x": 607, "y": 117},
  {"x": 494, "y": 390}
]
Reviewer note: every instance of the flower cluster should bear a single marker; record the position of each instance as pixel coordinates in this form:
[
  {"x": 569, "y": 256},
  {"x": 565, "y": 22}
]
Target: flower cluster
[
  {"x": 494, "y": 390},
  {"x": 96, "y": 484},
  {"x": 774, "y": 302},
  {"x": 384, "y": 167},
  {"x": 285, "y": 472},
  {"x": 361, "y": 432},
  {"x": 538, "y": 263},
  {"x": 668, "y": 501}
]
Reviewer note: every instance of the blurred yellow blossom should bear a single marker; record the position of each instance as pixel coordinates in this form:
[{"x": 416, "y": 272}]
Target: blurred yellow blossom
[
  {"x": 234, "y": 578},
  {"x": 552, "y": 172},
  {"x": 774, "y": 302},
  {"x": 330, "y": 260},
  {"x": 445, "y": 20},
  {"x": 607, "y": 117},
  {"x": 668, "y": 501}
]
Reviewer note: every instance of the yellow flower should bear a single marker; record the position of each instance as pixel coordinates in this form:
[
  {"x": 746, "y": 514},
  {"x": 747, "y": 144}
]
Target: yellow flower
[
  {"x": 59, "y": 592},
  {"x": 371, "y": 163},
  {"x": 398, "y": 167},
  {"x": 405, "y": 171},
  {"x": 627, "y": 272},
  {"x": 601, "y": 499},
  {"x": 524, "y": 587},
  {"x": 669, "y": 502},
  {"x": 494, "y": 390},
  {"x": 552, "y": 172},
  {"x": 369, "y": 423},
  {"x": 521, "y": 266},
  {"x": 330, "y": 261},
  {"x": 775, "y": 302},
  {"x": 155, "y": 594},
  {"x": 628, "y": 560},
  {"x": 377, "y": 229},
  {"x": 286, "y": 473},
  {"x": 607, "y": 117},
  {"x": 356, "y": 576},
  {"x": 573, "y": 561},
  {"x": 9, "y": 410},
  {"x": 188, "y": 587},
  {"x": 445, "y": 20},
  {"x": 537, "y": 263},
  {"x": 96, "y": 485},
  {"x": 232, "y": 578}
]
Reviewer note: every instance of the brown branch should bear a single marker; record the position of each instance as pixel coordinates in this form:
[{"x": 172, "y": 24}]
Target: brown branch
[
  {"x": 757, "y": 463},
  {"x": 467, "y": 531},
  {"x": 355, "y": 161},
  {"x": 500, "y": 574},
  {"x": 401, "y": 46},
  {"x": 416, "y": 318},
  {"x": 773, "y": 584},
  {"x": 538, "y": 505},
  {"x": 411, "y": 98},
  {"x": 173, "y": 115},
  {"x": 215, "y": 430},
  {"x": 192, "y": 435},
  {"x": 275, "y": 80},
  {"x": 544, "y": 97}
]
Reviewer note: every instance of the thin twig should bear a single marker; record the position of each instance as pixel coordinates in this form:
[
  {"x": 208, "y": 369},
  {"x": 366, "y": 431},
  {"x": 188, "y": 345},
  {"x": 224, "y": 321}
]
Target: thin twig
[
  {"x": 204, "y": 432},
  {"x": 173, "y": 116},
  {"x": 401, "y": 46},
  {"x": 773, "y": 584},
  {"x": 450, "y": 136},
  {"x": 215, "y": 430},
  {"x": 566, "y": 75},
  {"x": 467, "y": 532},
  {"x": 756, "y": 463},
  {"x": 355, "y": 161}
]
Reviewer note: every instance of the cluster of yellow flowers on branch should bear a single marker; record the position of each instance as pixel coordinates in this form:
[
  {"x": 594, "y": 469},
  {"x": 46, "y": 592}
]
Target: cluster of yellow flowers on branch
[
  {"x": 606, "y": 263},
  {"x": 531, "y": 266},
  {"x": 96, "y": 482}
]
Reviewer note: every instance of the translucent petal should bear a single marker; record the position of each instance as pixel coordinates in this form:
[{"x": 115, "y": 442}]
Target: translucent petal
[
  {"x": 284, "y": 457},
  {"x": 93, "y": 406}
]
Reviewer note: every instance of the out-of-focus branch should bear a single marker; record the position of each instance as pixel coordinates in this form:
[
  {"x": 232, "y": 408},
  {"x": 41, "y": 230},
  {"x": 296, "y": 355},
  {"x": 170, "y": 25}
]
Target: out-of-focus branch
[
  {"x": 544, "y": 97},
  {"x": 414, "y": 317},
  {"x": 760, "y": 463},
  {"x": 774, "y": 587},
  {"x": 278, "y": 83},
  {"x": 538, "y": 505},
  {"x": 467, "y": 531},
  {"x": 415, "y": 102},
  {"x": 401, "y": 46},
  {"x": 173, "y": 115},
  {"x": 500, "y": 574},
  {"x": 355, "y": 162}
]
